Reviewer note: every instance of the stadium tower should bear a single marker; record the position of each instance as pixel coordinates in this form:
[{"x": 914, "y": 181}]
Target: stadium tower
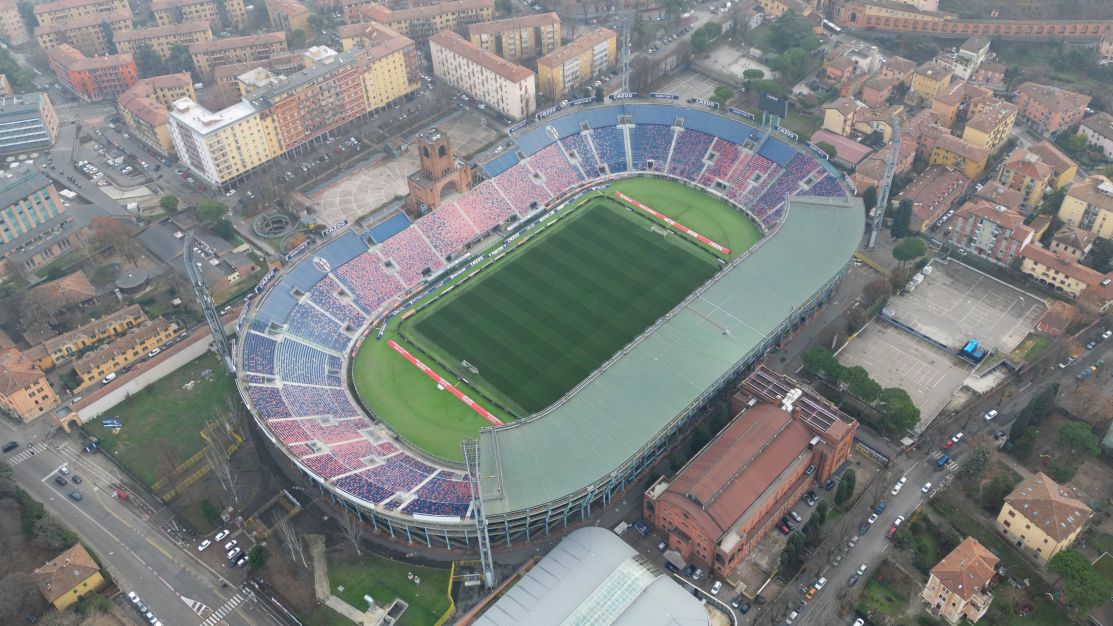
[
  {"x": 216, "y": 327},
  {"x": 440, "y": 170}
]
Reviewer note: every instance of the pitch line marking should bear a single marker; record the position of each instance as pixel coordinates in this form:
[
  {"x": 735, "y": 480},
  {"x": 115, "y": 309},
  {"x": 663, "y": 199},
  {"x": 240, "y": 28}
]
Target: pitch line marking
[{"x": 472, "y": 404}]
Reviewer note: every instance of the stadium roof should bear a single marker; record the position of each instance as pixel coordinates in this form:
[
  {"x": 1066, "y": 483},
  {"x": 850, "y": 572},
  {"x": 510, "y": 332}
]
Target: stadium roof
[
  {"x": 580, "y": 443},
  {"x": 592, "y": 573}
]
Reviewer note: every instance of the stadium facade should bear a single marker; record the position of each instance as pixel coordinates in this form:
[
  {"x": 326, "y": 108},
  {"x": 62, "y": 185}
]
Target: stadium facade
[{"x": 548, "y": 472}]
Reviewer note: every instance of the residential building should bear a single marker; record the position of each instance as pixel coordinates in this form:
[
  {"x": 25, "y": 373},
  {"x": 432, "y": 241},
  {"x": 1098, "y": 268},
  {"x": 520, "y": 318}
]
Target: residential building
[
  {"x": 162, "y": 38},
  {"x": 227, "y": 77},
  {"x": 1105, "y": 49},
  {"x": 876, "y": 90},
  {"x": 289, "y": 16},
  {"x": 132, "y": 347},
  {"x": 13, "y": 30},
  {"x": 991, "y": 75},
  {"x": 994, "y": 233},
  {"x": 57, "y": 350},
  {"x": 848, "y": 153},
  {"x": 28, "y": 200},
  {"x": 899, "y": 69},
  {"x": 971, "y": 54},
  {"x": 1098, "y": 129},
  {"x": 68, "y": 577},
  {"x": 422, "y": 22},
  {"x": 518, "y": 39},
  {"x": 958, "y": 586},
  {"x": 28, "y": 122},
  {"x": 989, "y": 123},
  {"x": 1001, "y": 195},
  {"x": 958, "y": 96},
  {"x": 1050, "y": 110},
  {"x": 60, "y": 11},
  {"x": 87, "y": 34},
  {"x": 1063, "y": 273},
  {"x": 1089, "y": 205},
  {"x": 1063, "y": 168},
  {"x": 571, "y": 67},
  {"x": 1058, "y": 319},
  {"x": 934, "y": 191},
  {"x": 1042, "y": 517},
  {"x": 24, "y": 391},
  {"x": 724, "y": 501},
  {"x": 96, "y": 78},
  {"x": 1071, "y": 242},
  {"x": 776, "y": 8},
  {"x": 958, "y": 154},
  {"x": 492, "y": 80},
  {"x": 207, "y": 55},
  {"x": 1024, "y": 171},
  {"x": 928, "y": 81},
  {"x": 69, "y": 291},
  {"x": 145, "y": 108},
  {"x": 895, "y": 17},
  {"x": 167, "y": 12},
  {"x": 839, "y": 115}
]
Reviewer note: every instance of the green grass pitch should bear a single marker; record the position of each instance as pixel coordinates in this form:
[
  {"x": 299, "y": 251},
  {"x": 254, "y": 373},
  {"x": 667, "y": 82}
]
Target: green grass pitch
[{"x": 540, "y": 321}]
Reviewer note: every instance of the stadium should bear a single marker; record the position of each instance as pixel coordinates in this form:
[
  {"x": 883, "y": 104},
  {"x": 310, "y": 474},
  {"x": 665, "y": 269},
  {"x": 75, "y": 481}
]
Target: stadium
[{"x": 427, "y": 380}]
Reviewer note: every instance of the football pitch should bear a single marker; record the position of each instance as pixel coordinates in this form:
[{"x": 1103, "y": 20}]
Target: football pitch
[{"x": 533, "y": 325}]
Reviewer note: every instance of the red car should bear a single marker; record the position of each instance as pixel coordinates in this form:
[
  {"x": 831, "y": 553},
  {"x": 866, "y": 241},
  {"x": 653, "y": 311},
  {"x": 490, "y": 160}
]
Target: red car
[
  {"x": 783, "y": 528},
  {"x": 950, "y": 442}
]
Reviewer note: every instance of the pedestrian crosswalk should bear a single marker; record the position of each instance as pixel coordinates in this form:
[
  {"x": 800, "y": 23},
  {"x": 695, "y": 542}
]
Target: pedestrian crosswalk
[
  {"x": 26, "y": 454},
  {"x": 227, "y": 608}
]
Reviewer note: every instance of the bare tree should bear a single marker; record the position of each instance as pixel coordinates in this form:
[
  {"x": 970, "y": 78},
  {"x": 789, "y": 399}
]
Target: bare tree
[
  {"x": 352, "y": 526},
  {"x": 295, "y": 543},
  {"x": 216, "y": 453},
  {"x": 17, "y": 595},
  {"x": 1090, "y": 403}
]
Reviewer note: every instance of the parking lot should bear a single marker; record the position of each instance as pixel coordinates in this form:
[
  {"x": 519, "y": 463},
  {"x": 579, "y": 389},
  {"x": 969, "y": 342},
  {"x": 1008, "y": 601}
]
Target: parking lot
[
  {"x": 689, "y": 84},
  {"x": 956, "y": 303},
  {"x": 896, "y": 358}
]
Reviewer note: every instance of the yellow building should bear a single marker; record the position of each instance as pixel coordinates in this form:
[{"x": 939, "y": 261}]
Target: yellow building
[
  {"x": 1089, "y": 205},
  {"x": 132, "y": 347},
  {"x": 66, "y": 10},
  {"x": 86, "y": 34},
  {"x": 989, "y": 123},
  {"x": 1063, "y": 169},
  {"x": 928, "y": 80},
  {"x": 1062, "y": 273},
  {"x": 169, "y": 12},
  {"x": 776, "y": 8},
  {"x": 145, "y": 108},
  {"x": 162, "y": 38},
  {"x": 518, "y": 39},
  {"x": 422, "y": 22},
  {"x": 13, "y": 29},
  {"x": 68, "y": 577},
  {"x": 1024, "y": 171},
  {"x": 573, "y": 66},
  {"x": 24, "y": 391},
  {"x": 69, "y": 345},
  {"x": 207, "y": 55},
  {"x": 956, "y": 154},
  {"x": 1042, "y": 517},
  {"x": 958, "y": 587},
  {"x": 289, "y": 15}
]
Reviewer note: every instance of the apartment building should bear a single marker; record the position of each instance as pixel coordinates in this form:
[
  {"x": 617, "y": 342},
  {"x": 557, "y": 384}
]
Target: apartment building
[
  {"x": 68, "y": 10},
  {"x": 989, "y": 123},
  {"x": 97, "y": 78},
  {"x": 971, "y": 54},
  {"x": 13, "y": 30},
  {"x": 422, "y": 22},
  {"x": 28, "y": 200},
  {"x": 24, "y": 391},
  {"x": 724, "y": 501},
  {"x": 87, "y": 34},
  {"x": 960, "y": 155},
  {"x": 1024, "y": 171},
  {"x": 928, "y": 81},
  {"x": 227, "y": 77},
  {"x": 1098, "y": 129},
  {"x": 289, "y": 15},
  {"x": 27, "y": 122},
  {"x": 1042, "y": 517},
  {"x": 490, "y": 79},
  {"x": 145, "y": 108},
  {"x": 132, "y": 347},
  {"x": 58, "y": 350},
  {"x": 571, "y": 67},
  {"x": 958, "y": 586},
  {"x": 1050, "y": 109},
  {"x": 876, "y": 90},
  {"x": 519, "y": 39},
  {"x": 1089, "y": 205},
  {"x": 994, "y": 233},
  {"x": 162, "y": 38},
  {"x": 220, "y": 14},
  {"x": 279, "y": 113},
  {"x": 1062, "y": 272},
  {"x": 207, "y": 55},
  {"x": 899, "y": 69},
  {"x": 68, "y": 577},
  {"x": 776, "y": 8}
]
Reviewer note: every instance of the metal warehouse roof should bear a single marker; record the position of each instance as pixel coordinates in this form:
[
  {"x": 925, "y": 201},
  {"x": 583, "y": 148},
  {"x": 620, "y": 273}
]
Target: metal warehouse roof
[{"x": 531, "y": 463}]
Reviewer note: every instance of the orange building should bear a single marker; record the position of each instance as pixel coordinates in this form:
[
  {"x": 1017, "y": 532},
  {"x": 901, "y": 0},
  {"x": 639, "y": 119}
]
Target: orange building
[
  {"x": 24, "y": 391},
  {"x": 97, "y": 78},
  {"x": 1050, "y": 109}
]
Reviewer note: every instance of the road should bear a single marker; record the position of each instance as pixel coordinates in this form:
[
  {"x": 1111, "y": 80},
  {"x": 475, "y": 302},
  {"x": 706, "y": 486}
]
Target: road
[{"x": 178, "y": 587}]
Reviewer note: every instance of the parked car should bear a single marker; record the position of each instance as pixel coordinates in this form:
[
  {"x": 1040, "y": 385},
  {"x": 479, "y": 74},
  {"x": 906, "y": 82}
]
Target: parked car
[
  {"x": 926, "y": 488},
  {"x": 75, "y": 496},
  {"x": 716, "y": 587},
  {"x": 829, "y": 485},
  {"x": 853, "y": 580},
  {"x": 943, "y": 460},
  {"x": 204, "y": 544},
  {"x": 991, "y": 414},
  {"x": 880, "y": 508},
  {"x": 60, "y": 480},
  {"x": 872, "y": 518},
  {"x": 11, "y": 445}
]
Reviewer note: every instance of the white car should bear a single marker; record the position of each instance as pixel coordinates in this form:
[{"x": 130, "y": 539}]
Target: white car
[
  {"x": 133, "y": 597},
  {"x": 716, "y": 587},
  {"x": 926, "y": 488},
  {"x": 230, "y": 544},
  {"x": 154, "y": 352},
  {"x": 819, "y": 584},
  {"x": 222, "y": 534},
  {"x": 957, "y": 438},
  {"x": 859, "y": 622},
  {"x": 204, "y": 544},
  {"x": 861, "y": 569},
  {"x": 991, "y": 414},
  {"x": 898, "y": 521},
  {"x": 872, "y": 519},
  {"x": 900, "y": 484}
]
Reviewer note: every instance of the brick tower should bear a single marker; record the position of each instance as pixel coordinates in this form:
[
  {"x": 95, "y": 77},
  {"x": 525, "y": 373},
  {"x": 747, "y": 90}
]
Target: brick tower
[{"x": 439, "y": 169}]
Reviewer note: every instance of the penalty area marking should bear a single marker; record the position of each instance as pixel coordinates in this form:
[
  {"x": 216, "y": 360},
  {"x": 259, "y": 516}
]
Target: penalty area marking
[
  {"x": 675, "y": 224},
  {"x": 444, "y": 384}
]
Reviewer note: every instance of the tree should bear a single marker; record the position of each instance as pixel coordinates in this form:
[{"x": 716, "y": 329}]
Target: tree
[
  {"x": 723, "y": 95},
  {"x": 753, "y": 74},
  {"x": 793, "y": 30},
  {"x": 674, "y": 8},
  {"x": 296, "y": 39},
  {"x": 897, "y": 407},
  {"x": 256, "y": 558},
  {"x": 210, "y": 211},
  {"x": 860, "y": 384},
  {"x": 111, "y": 232},
  {"x": 704, "y": 35},
  {"x": 352, "y": 526},
  {"x": 504, "y": 7},
  {"x": 169, "y": 203},
  {"x": 1026, "y": 441},
  {"x": 294, "y": 541},
  {"x": 792, "y": 64},
  {"x": 27, "y": 13},
  {"x": 1090, "y": 402},
  {"x": 1082, "y": 583},
  {"x": 766, "y": 86},
  {"x": 908, "y": 249},
  {"x": 845, "y": 489},
  {"x": 820, "y": 360},
  {"x": 994, "y": 492},
  {"x": 1078, "y": 437},
  {"x": 820, "y": 512},
  {"x": 179, "y": 59},
  {"x": 148, "y": 62},
  {"x": 1100, "y": 256},
  {"x": 831, "y": 151},
  {"x": 902, "y": 221},
  {"x": 1074, "y": 143},
  {"x": 975, "y": 463},
  {"x": 869, "y": 198}
]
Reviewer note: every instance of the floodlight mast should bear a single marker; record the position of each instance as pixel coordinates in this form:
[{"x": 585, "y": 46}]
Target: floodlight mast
[{"x": 208, "y": 308}]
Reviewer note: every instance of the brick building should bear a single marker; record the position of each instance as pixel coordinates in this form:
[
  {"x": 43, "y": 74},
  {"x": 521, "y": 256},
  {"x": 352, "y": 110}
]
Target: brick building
[
  {"x": 518, "y": 39},
  {"x": 1050, "y": 110},
  {"x": 96, "y": 78},
  {"x": 208, "y": 55},
  {"x": 169, "y": 12},
  {"x": 994, "y": 233},
  {"x": 24, "y": 391},
  {"x": 162, "y": 38},
  {"x": 958, "y": 586},
  {"x": 132, "y": 347}
]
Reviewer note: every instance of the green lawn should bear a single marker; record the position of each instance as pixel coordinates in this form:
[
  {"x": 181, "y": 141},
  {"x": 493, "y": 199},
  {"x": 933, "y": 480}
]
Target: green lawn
[
  {"x": 384, "y": 580},
  {"x": 324, "y": 616},
  {"x": 162, "y": 422},
  {"x": 1101, "y": 542},
  {"x": 883, "y": 598},
  {"x": 537, "y": 326}
]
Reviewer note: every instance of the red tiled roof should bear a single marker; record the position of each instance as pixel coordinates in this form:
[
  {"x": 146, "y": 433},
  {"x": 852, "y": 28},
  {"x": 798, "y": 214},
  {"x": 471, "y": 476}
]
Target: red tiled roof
[{"x": 968, "y": 568}]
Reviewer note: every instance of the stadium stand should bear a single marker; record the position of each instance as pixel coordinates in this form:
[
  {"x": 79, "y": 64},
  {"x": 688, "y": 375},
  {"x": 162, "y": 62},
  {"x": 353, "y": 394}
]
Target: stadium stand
[
  {"x": 688, "y": 152},
  {"x": 554, "y": 167},
  {"x": 268, "y": 402},
  {"x": 726, "y": 157},
  {"x": 300, "y": 363},
  {"x": 447, "y": 229},
  {"x": 610, "y": 145},
  {"x": 521, "y": 190},
  {"x": 258, "y": 354},
  {"x": 367, "y": 279},
  {"x": 743, "y": 177},
  {"x": 788, "y": 183},
  {"x": 827, "y": 186},
  {"x": 650, "y": 142},
  {"x": 485, "y": 206},
  {"x": 576, "y": 146},
  {"x": 312, "y": 324},
  {"x": 389, "y": 227},
  {"x": 412, "y": 255},
  {"x": 324, "y": 295}
]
